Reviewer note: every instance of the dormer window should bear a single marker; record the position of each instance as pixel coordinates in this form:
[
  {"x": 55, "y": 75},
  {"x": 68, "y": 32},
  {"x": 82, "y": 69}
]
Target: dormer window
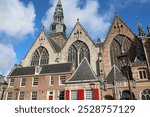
[{"x": 38, "y": 70}]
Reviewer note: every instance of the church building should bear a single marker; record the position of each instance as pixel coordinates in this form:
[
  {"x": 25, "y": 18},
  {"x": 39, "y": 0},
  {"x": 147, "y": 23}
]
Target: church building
[{"x": 58, "y": 67}]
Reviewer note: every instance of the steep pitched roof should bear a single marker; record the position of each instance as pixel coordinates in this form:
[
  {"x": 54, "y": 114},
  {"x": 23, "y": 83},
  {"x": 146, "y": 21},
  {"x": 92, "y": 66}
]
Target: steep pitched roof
[
  {"x": 113, "y": 22},
  {"x": 115, "y": 74},
  {"x": 83, "y": 73},
  {"x": 51, "y": 68},
  {"x": 78, "y": 23},
  {"x": 42, "y": 31},
  {"x": 55, "y": 46}
]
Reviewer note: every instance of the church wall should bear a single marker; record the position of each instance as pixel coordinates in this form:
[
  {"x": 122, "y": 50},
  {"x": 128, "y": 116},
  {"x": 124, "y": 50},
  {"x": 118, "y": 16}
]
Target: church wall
[
  {"x": 52, "y": 56},
  {"x": 93, "y": 50},
  {"x": 111, "y": 34}
]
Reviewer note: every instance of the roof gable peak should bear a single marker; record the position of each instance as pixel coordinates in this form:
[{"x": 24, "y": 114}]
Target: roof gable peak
[{"x": 83, "y": 73}]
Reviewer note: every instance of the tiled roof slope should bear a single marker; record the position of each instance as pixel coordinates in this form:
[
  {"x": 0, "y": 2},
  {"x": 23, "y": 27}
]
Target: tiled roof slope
[
  {"x": 116, "y": 74},
  {"x": 51, "y": 68},
  {"x": 56, "y": 47},
  {"x": 83, "y": 73}
]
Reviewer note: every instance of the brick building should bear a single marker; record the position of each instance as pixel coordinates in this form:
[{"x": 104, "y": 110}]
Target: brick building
[{"x": 58, "y": 68}]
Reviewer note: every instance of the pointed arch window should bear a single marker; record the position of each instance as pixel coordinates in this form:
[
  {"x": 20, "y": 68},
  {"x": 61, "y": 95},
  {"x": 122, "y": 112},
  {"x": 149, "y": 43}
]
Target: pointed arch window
[
  {"x": 77, "y": 51},
  {"x": 72, "y": 55},
  {"x": 84, "y": 52},
  {"x": 35, "y": 58},
  {"x": 40, "y": 57},
  {"x": 44, "y": 57},
  {"x": 121, "y": 43}
]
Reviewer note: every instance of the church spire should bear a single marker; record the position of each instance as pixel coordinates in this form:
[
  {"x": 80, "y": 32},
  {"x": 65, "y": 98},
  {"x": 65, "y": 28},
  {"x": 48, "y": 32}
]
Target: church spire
[
  {"x": 58, "y": 20},
  {"x": 140, "y": 29}
]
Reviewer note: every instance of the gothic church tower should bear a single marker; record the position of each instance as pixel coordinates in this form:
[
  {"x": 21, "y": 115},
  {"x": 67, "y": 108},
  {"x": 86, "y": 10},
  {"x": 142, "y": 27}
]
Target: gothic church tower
[{"x": 58, "y": 20}]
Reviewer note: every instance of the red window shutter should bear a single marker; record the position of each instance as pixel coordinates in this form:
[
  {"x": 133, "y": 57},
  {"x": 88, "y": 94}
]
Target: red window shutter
[
  {"x": 67, "y": 96},
  {"x": 81, "y": 94},
  {"x": 96, "y": 94}
]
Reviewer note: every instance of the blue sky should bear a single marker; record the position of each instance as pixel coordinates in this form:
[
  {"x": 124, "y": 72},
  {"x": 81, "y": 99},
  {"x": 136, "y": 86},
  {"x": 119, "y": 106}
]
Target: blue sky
[{"x": 21, "y": 22}]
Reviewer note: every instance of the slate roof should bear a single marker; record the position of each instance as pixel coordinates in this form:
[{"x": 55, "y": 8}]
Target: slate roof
[
  {"x": 51, "y": 68},
  {"x": 56, "y": 47},
  {"x": 116, "y": 74},
  {"x": 83, "y": 73}
]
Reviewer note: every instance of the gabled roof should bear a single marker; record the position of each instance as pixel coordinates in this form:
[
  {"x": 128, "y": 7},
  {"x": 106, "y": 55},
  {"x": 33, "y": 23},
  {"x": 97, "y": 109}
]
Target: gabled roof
[
  {"x": 78, "y": 23},
  {"x": 83, "y": 73},
  {"x": 115, "y": 74},
  {"x": 51, "y": 68},
  {"x": 140, "y": 56},
  {"x": 111, "y": 27}
]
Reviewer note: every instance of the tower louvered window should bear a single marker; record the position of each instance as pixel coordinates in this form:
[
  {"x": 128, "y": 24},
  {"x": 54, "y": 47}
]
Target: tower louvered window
[
  {"x": 77, "y": 51},
  {"x": 40, "y": 57}
]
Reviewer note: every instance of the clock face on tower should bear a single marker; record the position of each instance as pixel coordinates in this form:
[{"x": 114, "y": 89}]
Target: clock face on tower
[{"x": 59, "y": 28}]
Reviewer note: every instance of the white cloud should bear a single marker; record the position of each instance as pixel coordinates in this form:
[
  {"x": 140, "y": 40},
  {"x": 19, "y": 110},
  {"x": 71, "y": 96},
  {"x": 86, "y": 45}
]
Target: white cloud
[
  {"x": 97, "y": 25},
  {"x": 7, "y": 58},
  {"x": 16, "y": 18}
]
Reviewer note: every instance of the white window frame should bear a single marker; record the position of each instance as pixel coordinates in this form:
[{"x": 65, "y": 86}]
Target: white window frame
[
  {"x": 50, "y": 80},
  {"x": 33, "y": 81},
  {"x": 60, "y": 79},
  {"x": 32, "y": 96},
  {"x": 142, "y": 70},
  {"x": 20, "y": 95},
  {"x": 72, "y": 95},
  {"x": 10, "y": 82},
  {"x": 21, "y": 82},
  {"x": 48, "y": 94},
  {"x": 90, "y": 97}
]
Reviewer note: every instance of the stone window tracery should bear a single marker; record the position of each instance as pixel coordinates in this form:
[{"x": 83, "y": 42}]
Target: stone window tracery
[
  {"x": 40, "y": 57},
  {"x": 77, "y": 51},
  {"x": 145, "y": 95},
  {"x": 121, "y": 43}
]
